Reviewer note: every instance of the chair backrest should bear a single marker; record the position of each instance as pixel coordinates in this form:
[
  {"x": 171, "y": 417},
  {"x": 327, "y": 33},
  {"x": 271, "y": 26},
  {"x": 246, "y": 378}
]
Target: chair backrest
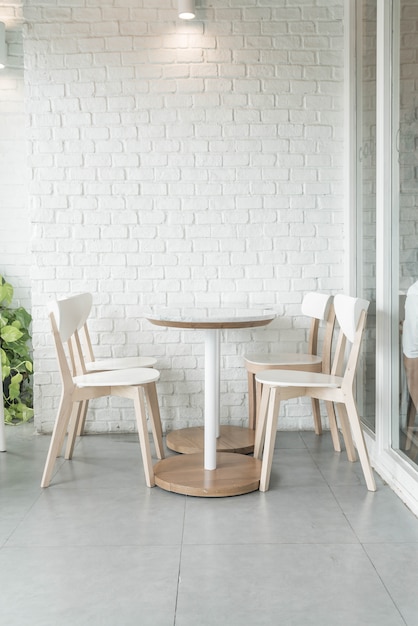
[
  {"x": 319, "y": 306},
  {"x": 68, "y": 317},
  {"x": 71, "y": 314},
  {"x": 351, "y": 314},
  {"x": 316, "y": 305},
  {"x": 81, "y": 305}
]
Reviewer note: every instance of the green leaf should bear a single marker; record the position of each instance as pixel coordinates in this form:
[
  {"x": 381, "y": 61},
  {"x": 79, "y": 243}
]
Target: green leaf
[
  {"x": 16, "y": 357},
  {"x": 9, "y": 334},
  {"x": 8, "y": 417},
  {"x": 14, "y": 386},
  {"x": 22, "y": 411},
  {"x": 3, "y": 357},
  {"x": 18, "y": 411},
  {"x": 6, "y": 292},
  {"x": 23, "y": 317}
]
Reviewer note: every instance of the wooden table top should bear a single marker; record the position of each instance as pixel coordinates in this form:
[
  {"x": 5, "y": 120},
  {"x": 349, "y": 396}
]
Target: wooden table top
[{"x": 207, "y": 317}]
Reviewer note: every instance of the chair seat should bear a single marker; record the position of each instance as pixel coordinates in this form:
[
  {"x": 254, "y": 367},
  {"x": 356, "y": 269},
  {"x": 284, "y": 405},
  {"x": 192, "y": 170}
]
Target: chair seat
[
  {"x": 283, "y": 359},
  {"x": 296, "y": 378},
  {"x": 116, "y": 378},
  {"x": 121, "y": 363}
]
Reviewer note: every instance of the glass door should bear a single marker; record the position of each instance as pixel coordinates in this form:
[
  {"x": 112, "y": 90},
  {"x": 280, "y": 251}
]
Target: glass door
[
  {"x": 405, "y": 203},
  {"x": 382, "y": 219}
]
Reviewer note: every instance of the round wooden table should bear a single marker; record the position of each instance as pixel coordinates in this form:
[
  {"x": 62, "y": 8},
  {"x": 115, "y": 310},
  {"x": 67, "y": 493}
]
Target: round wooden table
[{"x": 216, "y": 472}]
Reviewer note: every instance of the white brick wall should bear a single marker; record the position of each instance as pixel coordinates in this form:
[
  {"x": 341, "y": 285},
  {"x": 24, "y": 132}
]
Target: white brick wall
[
  {"x": 174, "y": 161},
  {"x": 15, "y": 258}
]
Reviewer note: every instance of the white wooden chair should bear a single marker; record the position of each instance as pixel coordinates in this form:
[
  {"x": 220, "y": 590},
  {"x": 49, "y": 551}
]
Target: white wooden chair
[
  {"x": 67, "y": 317},
  {"x": 319, "y": 307},
  {"x": 337, "y": 387},
  {"x": 88, "y": 362}
]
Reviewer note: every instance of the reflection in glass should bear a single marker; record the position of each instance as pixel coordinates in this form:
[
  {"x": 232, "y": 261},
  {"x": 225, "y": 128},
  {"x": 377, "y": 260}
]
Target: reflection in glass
[
  {"x": 366, "y": 201},
  {"x": 405, "y": 106}
]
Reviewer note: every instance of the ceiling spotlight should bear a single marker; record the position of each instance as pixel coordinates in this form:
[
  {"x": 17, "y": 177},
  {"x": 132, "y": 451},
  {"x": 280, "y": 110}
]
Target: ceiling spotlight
[{"x": 187, "y": 9}]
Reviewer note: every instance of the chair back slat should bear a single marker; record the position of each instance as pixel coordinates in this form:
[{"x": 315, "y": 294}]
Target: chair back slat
[
  {"x": 67, "y": 318},
  {"x": 328, "y": 340},
  {"x": 64, "y": 369},
  {"x": 72, "y": 351},
  {"x": 351, "y": 367},
  {"x": 86, "y": 343},
  {"x": 319, "y": 307},
  {"x": 313, "y": 336},
  {"x": 339, "y": 356},
  {"x": 77, "y": 355}
]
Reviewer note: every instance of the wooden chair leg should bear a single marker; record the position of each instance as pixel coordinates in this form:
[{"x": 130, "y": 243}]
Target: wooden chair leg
[
  {"x": 258, "y": 394},
  {"x": 271, "y": 429},
  {"x": 333, "y": 426},
  {"x": 346, "y": 430},
  {"x": 251, "y": 401},
  {"x": 360, "y": 443},
  {"x": 260, "y": 431},
  {"x": 73, "y": 428},
  {"x": 141, "y": 420},
  {"x": 57, "y": 439},
  {"x": 316, "y": 410},
  {"x": 155, "y": 419},
  {"x": 82, "y": 419}
]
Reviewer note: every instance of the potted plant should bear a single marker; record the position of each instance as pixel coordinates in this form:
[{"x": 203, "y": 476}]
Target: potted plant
[{"x": 16, "y": 357}]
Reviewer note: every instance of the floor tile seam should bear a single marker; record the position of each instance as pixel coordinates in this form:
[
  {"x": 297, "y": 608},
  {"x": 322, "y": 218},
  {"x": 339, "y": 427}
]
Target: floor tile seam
[
  {"x": 344, "y": 514},
  {"x": 389, "y": 543},
  {"x": 363, "y": 545},
  {"x": 180, "y": 563},
  {"x": 59, "y": 464},
  {"x": 337, "y": 502},
  {"x": 24, "y": 516},
  {"x": 316, "y": 464},
  {"x": 273, "y": 543},
  {"x": 86, "y": 546}
]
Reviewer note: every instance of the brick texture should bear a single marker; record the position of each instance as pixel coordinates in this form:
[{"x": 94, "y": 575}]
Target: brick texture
[{"x": 176, "y": 161}]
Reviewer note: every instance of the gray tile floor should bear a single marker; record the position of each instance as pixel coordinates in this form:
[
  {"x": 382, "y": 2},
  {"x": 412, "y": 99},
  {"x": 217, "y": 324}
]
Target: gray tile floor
[{"x": 99, "y": 548}]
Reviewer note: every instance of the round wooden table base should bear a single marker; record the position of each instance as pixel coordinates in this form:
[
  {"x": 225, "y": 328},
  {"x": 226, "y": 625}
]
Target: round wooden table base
[
  {"x": 231, "y": 439},
  {"x": 234, "y": 475}
]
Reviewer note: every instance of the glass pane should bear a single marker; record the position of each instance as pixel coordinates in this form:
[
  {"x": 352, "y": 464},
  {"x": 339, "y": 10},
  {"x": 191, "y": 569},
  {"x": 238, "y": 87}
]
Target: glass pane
[
  {"x": 366, "y": 201},
  {"x": 405, "y": 106}
]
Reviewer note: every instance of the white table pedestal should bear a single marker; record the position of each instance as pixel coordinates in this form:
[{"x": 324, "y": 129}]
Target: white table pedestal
[
  {"x": 212, "y": 437},
  {"x": 212, "y": 404}
]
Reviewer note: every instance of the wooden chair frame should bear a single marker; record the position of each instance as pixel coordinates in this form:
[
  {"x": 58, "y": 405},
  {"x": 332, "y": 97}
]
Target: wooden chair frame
[
  {"x": 309, "y": 361},
  {"x": 337, "y": 387},
  {"x": 85, "y": 361},
  {"x": 78, "y": 387}
]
